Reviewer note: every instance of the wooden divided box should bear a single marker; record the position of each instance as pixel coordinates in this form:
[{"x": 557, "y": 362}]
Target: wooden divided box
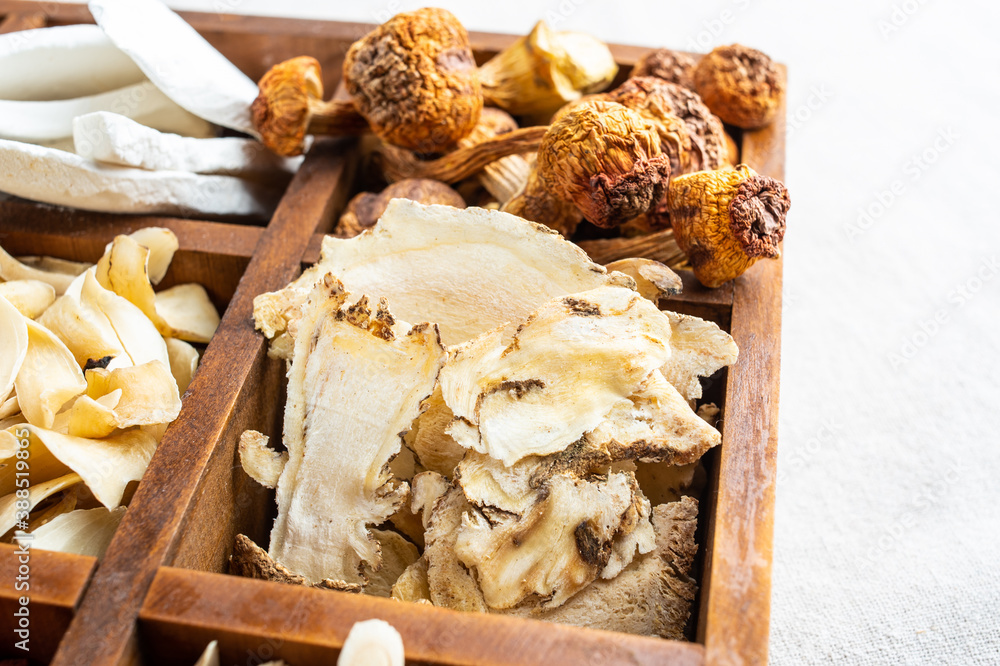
[{"x": 161, "y": 592}]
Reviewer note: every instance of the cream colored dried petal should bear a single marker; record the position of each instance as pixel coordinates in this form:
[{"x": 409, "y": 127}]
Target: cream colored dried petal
[
  {"x": 210, "y": 657},
  {"x": 566, "y": 366},
  {"x": 12, "y": 269},
  {"x": 138, "y": 395},
  {"x": 14, "y": 342},
  {"x": 55, "y": 265},
  {"x": 356, "y": 382},
  {"x": 162, "y": 244},
  {"x": 36, "y": 493},
  {"x": 700, "y": 348},
  {"x": 30, "y": 297},
  {"x": 9, "y": 408},
  {"x": 189, "y": 312},
  {"x": 49, "y": 376},
  {"x": 261, "y": 463},
  {"x": 183, "y": 362},
  {"x": 44, "y": 465},
  {"x": 83, "y": 532}
]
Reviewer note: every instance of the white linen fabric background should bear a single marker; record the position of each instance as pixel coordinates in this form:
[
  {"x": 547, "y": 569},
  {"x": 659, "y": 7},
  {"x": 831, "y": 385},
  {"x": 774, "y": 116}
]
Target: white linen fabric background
[{"x": 887, "y": 543}]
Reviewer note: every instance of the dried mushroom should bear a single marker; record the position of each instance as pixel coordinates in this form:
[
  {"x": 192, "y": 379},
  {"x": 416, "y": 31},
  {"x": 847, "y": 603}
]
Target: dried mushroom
[
  {"x": 540, "y": 72},
  {"x": 356, "y": 381},
  {"x": 365, "y": 208},
  {"x": 505, "y": 177},
  {"x": 740, "y": 85},
  {"x": 667, "y": 64},
  {"x": 600, "y": 157},
  {"x": 540, "y": 390},
  {"x": 726, "y": 220},
  {"x": 466, "y": 270}
]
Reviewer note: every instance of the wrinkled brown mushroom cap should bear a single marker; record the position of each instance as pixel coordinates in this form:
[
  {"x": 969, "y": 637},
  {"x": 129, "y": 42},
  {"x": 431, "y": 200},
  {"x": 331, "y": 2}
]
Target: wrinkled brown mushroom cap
[
  {"x": 740, "y": 85},
  {"x": 650, "y": 102},
  {"x": 667, "y": 64},
  {"x": 415, "y": 80},
  {"x": 365, "y": 209},
  {"x": 281, "y": 111},
  {"x": 709, "y": 149},
  {"x": 606, "y": 159}
]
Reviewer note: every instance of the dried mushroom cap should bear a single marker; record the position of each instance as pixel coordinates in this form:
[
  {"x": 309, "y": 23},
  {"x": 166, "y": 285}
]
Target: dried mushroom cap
[
  {"x": 466, "y": 270},
  {"x": 740, "y": 85},
  {"x": 365, "y": 208},
  {"x": 606, "y": 159},
  {"x": 654, "y": 105},
  {"x": 707, "y": 136},
  {"x": 539, "y": 391},
  {"x": 543, "y": 70},
  {"x": 726, "y": 220},
  {"x": 698, "y": 348},
  {"x": 667, "y": 64},
  {"x": 356, "y": 382},
  {"x": 414, "y": 79}
]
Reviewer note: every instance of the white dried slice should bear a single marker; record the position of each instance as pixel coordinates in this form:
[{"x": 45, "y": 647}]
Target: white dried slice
[
  {"x": 106, "y": 465},
  {"x": 64, "y": 504},
  {"x": 64, "y": 179},
  {"x": 183, "y": 362},
  {"x": 412, "y": 584},
  {"x": 450, "y": 583},
  {"x": 397, "y": 555},
  {"x": 428, "y": 488},
  {"x": 97, "y": 323},
  {"x": 162, "y": 244},
  {"x": 179, "y": 61},
  {"x": 30, "y": 297},
  {"x": 356, "y": 383},
  {"x": 140, "y": 395},
  {"x": 12, "y": 269},
  {"x": 47, "y": 121},
  {"x": 261, "y": 463},
  {"x": 14, "y": 341},
  {"x": 62, "y": 62},
  {"x": 210, "y": 657},
  {"x": 433, "y": 446},
  {"x": 55, "y": 265},
  {"x": 188, "y": 312},
  {"x": 564, "y": 369},
  {"x": 700, "y": 348},
  {"x": 115, "y": 139},
  {"x": 48, "y": 378},
  {"x": 42, "y": 465},
  {"x": 372, "y": 643},
  {"x": 653, "y": 279},
  {"x": 664, "y": 482},
  {"x": 467, "y": 270},
  {"x": 83, "y": 532},
  {"x": 9, "y": 408},
  {"x": 654, "y": 424},
  {"x": 36, "y": 493}
]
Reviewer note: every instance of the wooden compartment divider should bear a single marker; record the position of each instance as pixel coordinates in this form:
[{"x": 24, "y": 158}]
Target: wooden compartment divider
[{"x": 161, "y": 594}]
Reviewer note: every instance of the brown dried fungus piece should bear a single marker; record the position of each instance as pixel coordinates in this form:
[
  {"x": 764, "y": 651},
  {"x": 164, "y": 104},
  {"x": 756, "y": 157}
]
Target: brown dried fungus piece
[
  {"x": 741, "y": 85},
  {"x": 726, "y": 220},
  {"x": 667, "y": 64},
  {"x": 365, "y": 208}
]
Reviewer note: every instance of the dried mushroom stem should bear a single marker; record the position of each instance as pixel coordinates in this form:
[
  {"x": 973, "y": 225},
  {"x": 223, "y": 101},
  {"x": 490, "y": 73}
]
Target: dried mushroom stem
[
  {"x": 726, "y": 220},
  {"x": 412, "y": 80},
  {"x": 452, "y": 167},
  {"x": 507, "y": 176},
  {"x": 660, "y": 246},
  {"x": 537, "y": 204}
]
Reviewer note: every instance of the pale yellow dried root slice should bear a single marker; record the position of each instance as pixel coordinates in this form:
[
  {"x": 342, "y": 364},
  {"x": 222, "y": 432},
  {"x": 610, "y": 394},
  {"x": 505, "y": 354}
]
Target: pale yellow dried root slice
[
  {"x": 261, "y": 463},
  {"x": 397, "y": 555},
  {"x": 700, "y": 348},
  {"x": 433, "y": 446},
  {"x": 653, "y": 279},
  {"x": 83, "y": 532},
  {"x": 372, "y": 643},
  {"x": 48, "y": 378},
  {"x": 252, "y": 561},
  {"x": 36, "y": 493},
  {"x": 30, "y": 297}
]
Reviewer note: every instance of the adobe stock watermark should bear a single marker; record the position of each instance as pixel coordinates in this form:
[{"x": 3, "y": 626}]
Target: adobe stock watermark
[
  {"x": 22, "y": 507},
  {"x": 929, "y": 327},
  {"x": 890, "y": 537},
  {"x": 913, "y": 170},
  {"x": 824, "y": 435},
  {"x": 713, "y": 28},
  {"x": 803, "y": 113},
  {"x": 899, "y": 16}
]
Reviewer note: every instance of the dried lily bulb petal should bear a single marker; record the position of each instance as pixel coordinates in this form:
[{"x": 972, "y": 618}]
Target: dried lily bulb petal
[
  {"x": 65, "y": 504},
  {"x": 414, "y": 79},
  {"x": 12, "y": 269},
  {"x": 9, "y": 407},
  {"x": 106, "y": 465},
  {"x": 356, "y": 382},
  {"x": 667, "y": 64},
  {"x": 97, "y": 323},
  {"x": 36, "y": 493},
  {"x": 183, "y": 362},
  {"x": 740, "y": 85},
  {"x": 726, "y": 220},
  {"x": 188, "y": 312},
  {"x": 540, "y": 72},
  {"x": 124, "y": 397},
  {"x": 30, "y": 297},
  {"x": 558, "y": 376},
  {"x": 14, "y": 342},
  {"x": 44, "y": 465},
  {"x": 55, "y": 264},
  {"x": 48, "y": 378},
  {"x": 83, "y": 532},
  {"x": 161, "y": 243}
]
